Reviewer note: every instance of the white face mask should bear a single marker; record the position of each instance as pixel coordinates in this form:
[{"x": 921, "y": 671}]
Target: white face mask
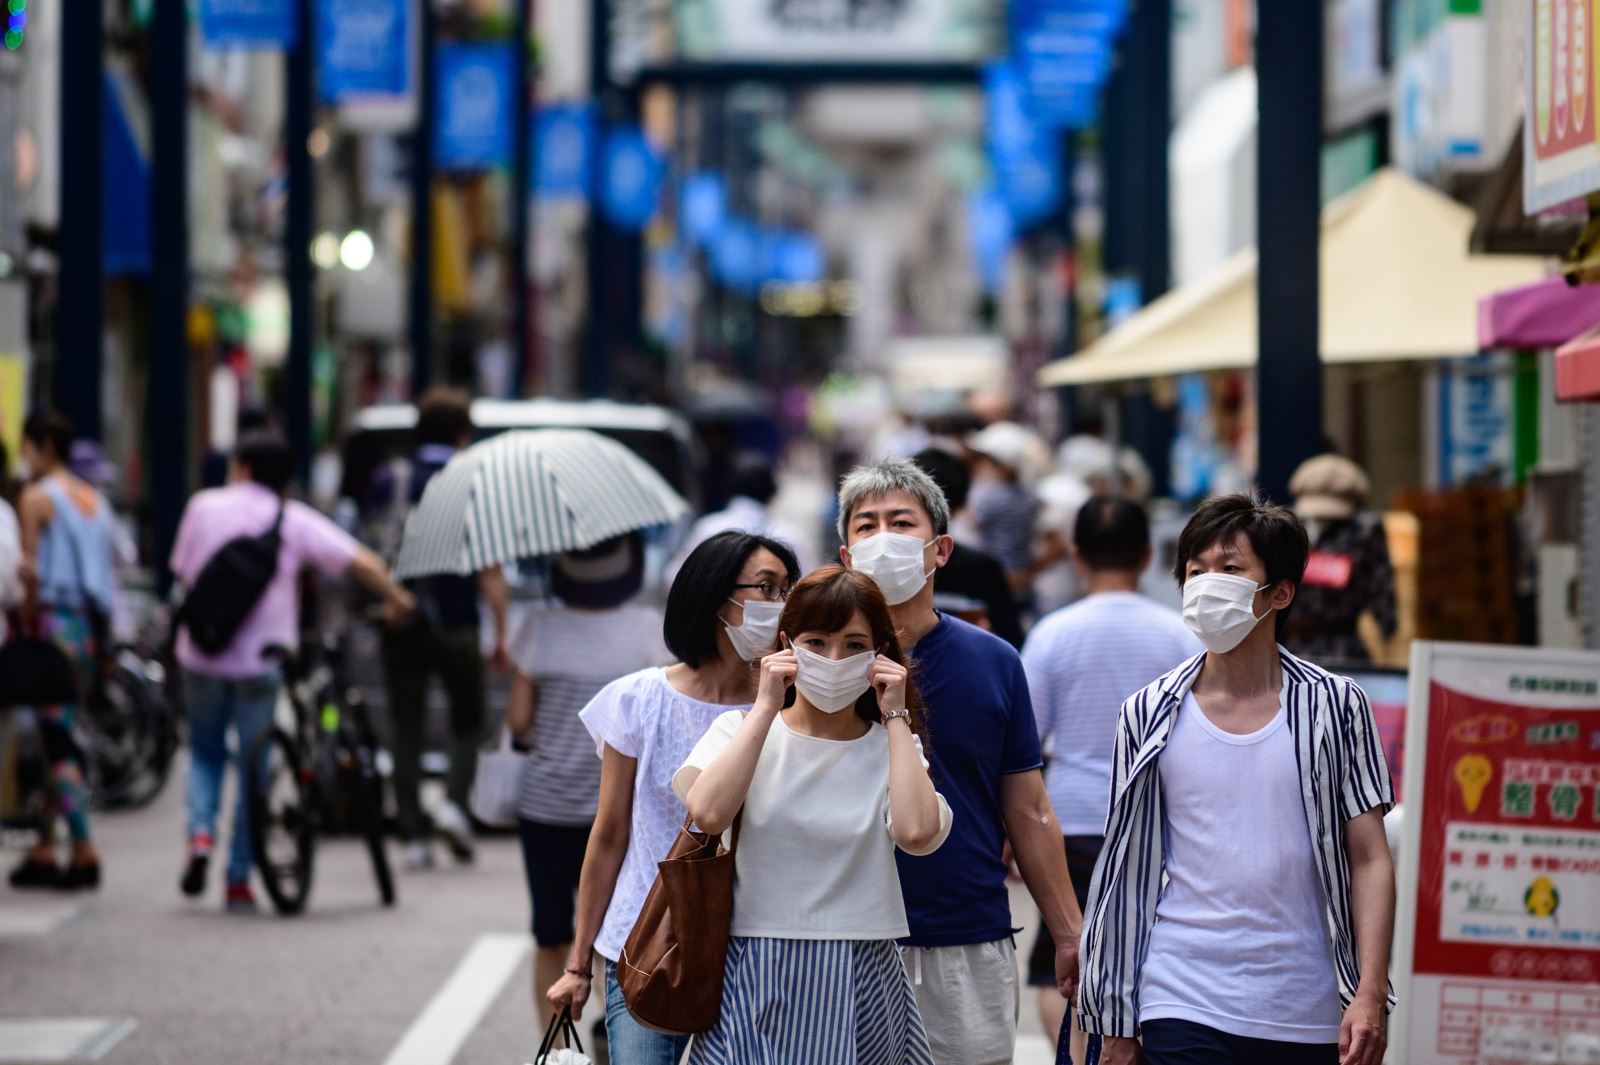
[
  {"x": 831, "y": 684},
  {"x": 1219, "y": 609},
  {"x": 894, "y": 561},
  {"x": 753, "y": 637}
]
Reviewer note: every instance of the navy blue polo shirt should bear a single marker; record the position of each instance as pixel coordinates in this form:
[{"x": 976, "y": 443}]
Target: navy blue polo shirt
[{"x": 980, "y": 722}]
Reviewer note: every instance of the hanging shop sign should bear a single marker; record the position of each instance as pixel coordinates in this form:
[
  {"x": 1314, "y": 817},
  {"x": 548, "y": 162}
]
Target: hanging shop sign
[
  {"x": 736, "y": 255},
  {"x": 631, "y": 177},
  {"x": 363, "y": 49},
  {"x": 474, "y": 106},
  {"x": 563, "y": 138},
  {"x": 1561, "y": 136},
  {"x": 1498, "y": 934},
  {"x": 1475, "y": 419},
  {"x": 1063, "y": 51},
  {"x": 247, "y": 24},
  {"x": 703, "y": 204},
  {"x": 835, "y": 30},
  {"x": 990, "y": 231},
  {"x": 1451, "y": 112},
  {"x": 1025, "y": 157}
]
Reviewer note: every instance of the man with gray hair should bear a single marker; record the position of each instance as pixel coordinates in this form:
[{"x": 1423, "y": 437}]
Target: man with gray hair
[{"x": 895, "y": 525}]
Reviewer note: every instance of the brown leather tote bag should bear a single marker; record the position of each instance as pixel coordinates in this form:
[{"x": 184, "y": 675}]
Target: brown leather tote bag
[{"x": 670, "y": 969}]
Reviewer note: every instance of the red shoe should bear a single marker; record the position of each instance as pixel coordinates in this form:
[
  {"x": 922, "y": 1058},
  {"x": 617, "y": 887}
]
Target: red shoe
[
  {"x": 193, "y": 883},
  {"x": 241, "y": 899}
]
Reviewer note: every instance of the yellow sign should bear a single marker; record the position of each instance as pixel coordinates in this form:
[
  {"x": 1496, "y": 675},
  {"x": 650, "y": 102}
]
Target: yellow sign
[{"x": 13, "y": 405}]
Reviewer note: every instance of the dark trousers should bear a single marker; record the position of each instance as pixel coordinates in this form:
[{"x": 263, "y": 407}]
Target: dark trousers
[
  {"x": 1174, "y": 1042},
  {"x": 411, "y": 655}
]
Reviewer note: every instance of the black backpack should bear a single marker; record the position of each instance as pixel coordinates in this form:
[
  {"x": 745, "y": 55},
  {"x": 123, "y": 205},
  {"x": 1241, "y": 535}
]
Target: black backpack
[{"x": 228, "y": 588}]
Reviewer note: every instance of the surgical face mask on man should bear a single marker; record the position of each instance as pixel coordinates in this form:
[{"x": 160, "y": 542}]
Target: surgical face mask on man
[
  {"x": 753, "y": 637},
  {"x": 1219, "y": 609},
  {"x": 894, "y": 561},
  {"x": 831, "y": 684}
]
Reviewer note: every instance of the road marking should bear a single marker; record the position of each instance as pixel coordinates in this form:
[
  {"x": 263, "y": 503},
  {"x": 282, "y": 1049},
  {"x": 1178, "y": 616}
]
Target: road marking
[
  {"x": 49, "y": 1040},
  {"x": 31, "y": 917},
  {"x": 450, "y": 1016}
]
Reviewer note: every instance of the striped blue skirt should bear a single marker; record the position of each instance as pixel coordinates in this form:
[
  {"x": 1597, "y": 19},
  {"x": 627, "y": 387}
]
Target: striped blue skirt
[{"x": 814, "y": 1002}]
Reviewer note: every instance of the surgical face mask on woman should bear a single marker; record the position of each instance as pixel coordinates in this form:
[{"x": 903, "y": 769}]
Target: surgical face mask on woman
[
  {"x": 832, "y": 684},
  {"x": 753, "y": 637},
  {"x": 895, "y": 562},
  {"x": 1219, "y": 609}
]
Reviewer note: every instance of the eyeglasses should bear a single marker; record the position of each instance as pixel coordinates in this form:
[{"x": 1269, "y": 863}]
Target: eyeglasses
[{"x": 769, "y": 591}]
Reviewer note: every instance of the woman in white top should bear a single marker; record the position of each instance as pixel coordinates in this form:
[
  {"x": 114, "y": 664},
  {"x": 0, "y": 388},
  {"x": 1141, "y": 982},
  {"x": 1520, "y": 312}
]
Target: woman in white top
[
  {"x": 823, "y": 798},
  {"x": 722, "y": 613}
]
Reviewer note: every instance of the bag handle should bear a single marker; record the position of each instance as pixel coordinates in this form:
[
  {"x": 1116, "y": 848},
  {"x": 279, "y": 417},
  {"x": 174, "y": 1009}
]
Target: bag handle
[
  {"x": 560, "y": 1028},
  {"x": 733, "y": 831}
]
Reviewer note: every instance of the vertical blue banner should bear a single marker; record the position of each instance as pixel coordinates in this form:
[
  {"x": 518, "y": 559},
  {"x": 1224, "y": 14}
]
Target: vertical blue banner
[
  {"x": 562, "y": 134},
  {"x": 1025, "y": 156},
  {"x": 474, "y": 105},
  {"x": 363, "y": 48},
  {"x": 631, "y": 179},
  {"x": 247, "y": 23}
]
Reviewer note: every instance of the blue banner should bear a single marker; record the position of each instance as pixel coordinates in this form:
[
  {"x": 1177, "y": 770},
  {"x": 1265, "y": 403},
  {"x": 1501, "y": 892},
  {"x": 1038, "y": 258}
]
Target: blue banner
[
  {"x": 363, "y": 48},
  {"x": 801, "y": 260},
  {"x": 125, "y": 193},
  {"x": 990, "y": 230},
  {"x": 736, "y": 256},
  {"x": 1025, "y": 156},
  {"x": 563, "y": 138},
  {"x": 631, "y": 177},
  {"x": 474, "y": 105},
  {"x": 703, "y": 204},
  {"x": 247, "y": 23}
]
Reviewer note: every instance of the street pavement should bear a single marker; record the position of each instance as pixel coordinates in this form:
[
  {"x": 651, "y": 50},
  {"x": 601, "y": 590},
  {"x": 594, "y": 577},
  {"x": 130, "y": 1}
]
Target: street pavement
[{"x": 442, "y": 977}]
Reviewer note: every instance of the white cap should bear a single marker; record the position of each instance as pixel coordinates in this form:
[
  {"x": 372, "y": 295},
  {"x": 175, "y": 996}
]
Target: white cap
[{"x": 1007, "y": 443}]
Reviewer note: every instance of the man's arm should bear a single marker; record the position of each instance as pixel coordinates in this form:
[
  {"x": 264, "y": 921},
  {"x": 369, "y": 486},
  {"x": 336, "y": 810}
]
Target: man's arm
[
  {"x": 368, "y": 570},
  {"x": 492, "y": 586},
  {"x": 1362, "y": 1036},
  {"x": 1042, "y": 860}
]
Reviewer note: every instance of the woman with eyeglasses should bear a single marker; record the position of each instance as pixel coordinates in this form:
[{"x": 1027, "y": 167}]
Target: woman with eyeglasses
[{"x": 722, "y": 615}]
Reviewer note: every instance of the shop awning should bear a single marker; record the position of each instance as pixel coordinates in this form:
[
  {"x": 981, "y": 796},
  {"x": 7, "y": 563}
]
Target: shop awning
[
  {"x": 1397, "y": 284},
  {"x": 1578, "y": 368},
  {"x": 1542, "y": 315}
]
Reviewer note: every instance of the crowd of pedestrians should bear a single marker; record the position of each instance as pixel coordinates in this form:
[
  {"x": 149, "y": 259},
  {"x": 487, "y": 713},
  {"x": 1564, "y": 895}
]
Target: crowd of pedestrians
[{"x": 885, "y": 741}]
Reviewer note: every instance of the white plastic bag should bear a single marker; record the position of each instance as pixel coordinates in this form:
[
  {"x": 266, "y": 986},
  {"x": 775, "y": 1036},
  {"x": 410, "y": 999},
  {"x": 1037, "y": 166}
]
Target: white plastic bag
[{"x": 497, "y": 783}]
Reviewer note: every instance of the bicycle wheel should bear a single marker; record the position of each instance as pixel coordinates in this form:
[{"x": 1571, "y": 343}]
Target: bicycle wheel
[
  {"x": 282, "y": 831},
  {"x": 131, "y": 736}
]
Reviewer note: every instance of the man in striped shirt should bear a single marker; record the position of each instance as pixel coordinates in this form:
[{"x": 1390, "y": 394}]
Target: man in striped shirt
[{"x": 1254, "y": 785}]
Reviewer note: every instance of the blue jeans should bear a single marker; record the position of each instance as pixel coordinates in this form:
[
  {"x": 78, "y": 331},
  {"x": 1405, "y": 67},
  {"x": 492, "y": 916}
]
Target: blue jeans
[
  {"x": 215, "y": 704},
  {"x": 630, "y": 1043}
]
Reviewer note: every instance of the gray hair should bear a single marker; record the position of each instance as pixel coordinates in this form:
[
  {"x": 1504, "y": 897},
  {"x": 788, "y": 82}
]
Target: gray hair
[{"x": 892, "y": 475}]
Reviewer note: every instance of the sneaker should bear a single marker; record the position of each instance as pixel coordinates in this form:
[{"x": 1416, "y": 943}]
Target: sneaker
[
  {"x": 241, "y": 899},
  {"x": 453, "y": 825},
  {"x": 193, "y": 883},
  {"x": 417, "y": 854},
  {"x": 36, "y": 874}
]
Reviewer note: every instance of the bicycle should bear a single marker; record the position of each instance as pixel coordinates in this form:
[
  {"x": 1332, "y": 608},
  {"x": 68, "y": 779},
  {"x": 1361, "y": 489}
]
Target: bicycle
[
  {"x": 313, "y": 777},
  {"x": 130, "y": 728}
]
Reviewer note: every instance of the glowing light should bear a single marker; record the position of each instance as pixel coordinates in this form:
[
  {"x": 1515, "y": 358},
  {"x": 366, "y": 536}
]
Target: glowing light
[
  {"x": 355, "y": 251},
  {"x": 325, "y": 250}
]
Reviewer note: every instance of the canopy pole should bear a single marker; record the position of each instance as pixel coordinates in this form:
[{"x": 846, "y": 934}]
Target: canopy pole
[{"x": 1288, "y": 221}]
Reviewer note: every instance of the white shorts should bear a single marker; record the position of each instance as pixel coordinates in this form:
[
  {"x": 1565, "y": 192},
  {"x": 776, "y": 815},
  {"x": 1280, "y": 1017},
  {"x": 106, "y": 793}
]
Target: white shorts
[{"x": 969, "y": 1000}]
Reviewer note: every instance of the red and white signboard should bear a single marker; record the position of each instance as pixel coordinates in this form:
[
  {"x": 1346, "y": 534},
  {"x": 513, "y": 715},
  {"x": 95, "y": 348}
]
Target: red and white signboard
[
  {"x": 1561, "y": 133},
  {"x": 1497, "y": 946}
]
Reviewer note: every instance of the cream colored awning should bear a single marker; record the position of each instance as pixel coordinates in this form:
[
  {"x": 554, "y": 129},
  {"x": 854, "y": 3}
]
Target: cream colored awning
[{"x": 1397, "y": 284}]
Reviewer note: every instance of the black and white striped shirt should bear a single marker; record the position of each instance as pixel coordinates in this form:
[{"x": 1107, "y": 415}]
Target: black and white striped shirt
[{"x": 1342, "y": 775}]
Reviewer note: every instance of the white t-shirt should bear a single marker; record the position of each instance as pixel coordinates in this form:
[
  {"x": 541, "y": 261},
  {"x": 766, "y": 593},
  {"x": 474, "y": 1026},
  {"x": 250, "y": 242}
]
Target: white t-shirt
[
  {"x": 11, "y": 589},
  {"x": 815, "y": 856},
  {"x": 1082, "y": 662},
  {"x": 644, "y": 717},
  {"x": 1240, "y": 942},
  {"x": 570, "y": 655}
]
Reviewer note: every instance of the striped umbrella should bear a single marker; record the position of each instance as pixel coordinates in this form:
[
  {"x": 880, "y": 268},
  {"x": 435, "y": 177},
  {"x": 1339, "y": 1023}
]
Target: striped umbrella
[{"x": 525, "y": 494}]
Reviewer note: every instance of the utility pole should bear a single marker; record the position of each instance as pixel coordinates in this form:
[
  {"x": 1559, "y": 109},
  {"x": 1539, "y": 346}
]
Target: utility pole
[
  {"x": 421, "y": 287},
  {"x": 297, "y": 241},
  {"x": 525, "y": 97},
  {"x": 80, "y": 310},
  {"x": 595, "y": 375},
  {"x": 167, "y": 398},
  {"x": 1288, "y": 230}
]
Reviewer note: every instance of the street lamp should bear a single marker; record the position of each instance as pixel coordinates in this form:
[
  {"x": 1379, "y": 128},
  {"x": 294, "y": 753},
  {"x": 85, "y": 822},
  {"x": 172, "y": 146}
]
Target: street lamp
[{"x": 355, "y": 251}]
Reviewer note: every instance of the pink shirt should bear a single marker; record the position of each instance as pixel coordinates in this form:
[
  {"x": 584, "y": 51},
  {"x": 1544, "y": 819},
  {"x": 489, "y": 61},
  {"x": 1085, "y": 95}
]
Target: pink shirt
[{"x": 218, "y": 515}]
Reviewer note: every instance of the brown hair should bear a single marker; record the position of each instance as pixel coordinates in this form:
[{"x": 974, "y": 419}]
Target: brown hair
[
  {"x": 824, "y": 601},
  {"x": 444, "y": 415}
]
